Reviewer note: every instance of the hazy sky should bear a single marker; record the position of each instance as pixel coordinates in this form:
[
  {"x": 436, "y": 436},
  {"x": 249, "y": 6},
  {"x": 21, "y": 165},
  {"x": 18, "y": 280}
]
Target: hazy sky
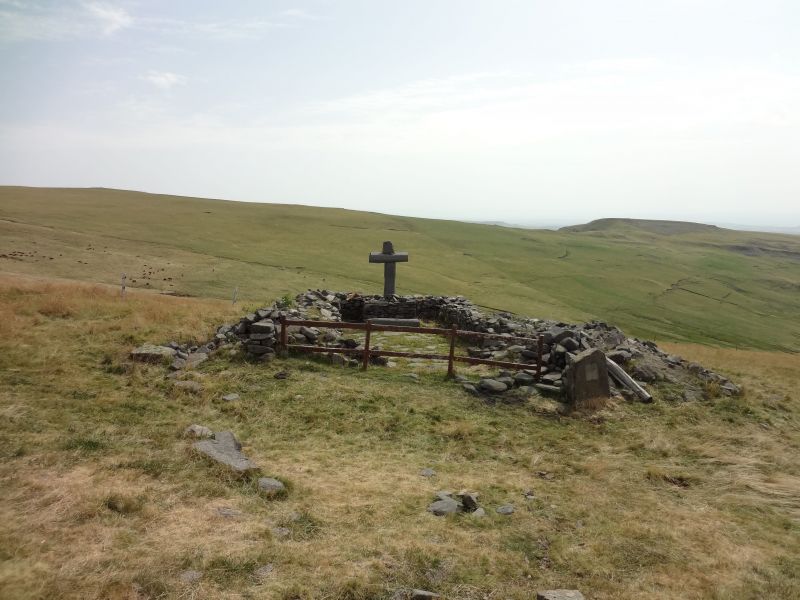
[{"x": 528, "y": 111}]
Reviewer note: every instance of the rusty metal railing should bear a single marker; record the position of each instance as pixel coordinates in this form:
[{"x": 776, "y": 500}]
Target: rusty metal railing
[{"x": 452, "y": 333}]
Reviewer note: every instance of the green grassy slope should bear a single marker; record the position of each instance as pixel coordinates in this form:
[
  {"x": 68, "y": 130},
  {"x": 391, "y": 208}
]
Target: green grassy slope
[{"x": 707, "y": 285}]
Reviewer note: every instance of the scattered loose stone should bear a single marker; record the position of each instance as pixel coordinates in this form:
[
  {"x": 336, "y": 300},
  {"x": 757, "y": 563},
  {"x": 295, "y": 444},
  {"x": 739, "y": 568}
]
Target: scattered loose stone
[
  {"x": 226, "y": 450},
  {"x": 281, "y": 532},
  {"x": 190, "y": 576},
  {"x": 413, "y": 376},
  {"x": 427, "y": 472},
  {"x": 198, "y": 431},
  {"x": 559, "y": 595},
  {"x": 282, "y": 375},
  {"x": 470, "y": 389},
  {"x": 230, "y": 397},
  {"x": 228, "y": 512},
  {"x": 196, "y": 358},
  {"x": 271, "y": 487},
  {"x": 192, "y": 387},
  {"x": 479, "y": 512},
  {"x": 492, "y": 386},
  {"x": 264, "y": 571},
  {"x": 506, "y": 509},
  {"x": 730, "y": 389},
  {"x": 469, "y": 500}
]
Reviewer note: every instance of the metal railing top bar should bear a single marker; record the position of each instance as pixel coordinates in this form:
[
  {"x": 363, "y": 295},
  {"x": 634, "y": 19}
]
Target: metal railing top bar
[{"x": 403, "y": 329}]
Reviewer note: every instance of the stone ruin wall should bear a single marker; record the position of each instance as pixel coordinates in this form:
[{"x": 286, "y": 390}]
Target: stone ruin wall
[{"x": 257, "y": 333}]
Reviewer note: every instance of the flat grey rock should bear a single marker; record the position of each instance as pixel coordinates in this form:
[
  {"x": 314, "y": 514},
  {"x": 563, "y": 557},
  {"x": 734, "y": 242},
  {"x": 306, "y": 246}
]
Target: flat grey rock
[
  {"x": 265, "y": 326},
  {"x": 270, "y": 486},
  {"x": 196, "y": 358},
  {"x": 492, "y": 386},
  {"x": 523, "y": 378},
  {"x": 225, "y": 449},
  {"x": 427, "y": 472},
  {"x": 190, "y": 576},
  {"x": 152, "y": 353},
  {"x": 228, "y": 512},
  {"x": 479, "y": 512},
  {"x": 230, "y": 397},
  {"x": 506, "y": 509},
  {"x": 559, "y": 595},
  {"x": 448, "y": 506}
]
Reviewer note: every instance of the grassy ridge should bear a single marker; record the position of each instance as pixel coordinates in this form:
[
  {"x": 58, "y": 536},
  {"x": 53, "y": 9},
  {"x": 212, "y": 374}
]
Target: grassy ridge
[{"x": 709, "y": 285}]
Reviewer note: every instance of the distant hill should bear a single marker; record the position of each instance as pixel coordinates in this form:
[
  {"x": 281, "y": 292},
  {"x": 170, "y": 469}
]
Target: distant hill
[
  {"x": 649, "y": 225},
  {"x": 655, "y": 279}
]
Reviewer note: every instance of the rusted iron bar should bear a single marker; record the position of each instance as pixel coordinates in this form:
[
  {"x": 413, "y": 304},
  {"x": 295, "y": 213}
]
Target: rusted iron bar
[
  {"x": 326, "y": 350},
  {"x": 389, "y": 353},
  {"x": 366, "y": 346},
  {"x": 495, "y": 363}
]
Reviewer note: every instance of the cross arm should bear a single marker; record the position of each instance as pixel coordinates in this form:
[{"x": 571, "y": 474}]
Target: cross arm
[{"x": 380, "y": 257}]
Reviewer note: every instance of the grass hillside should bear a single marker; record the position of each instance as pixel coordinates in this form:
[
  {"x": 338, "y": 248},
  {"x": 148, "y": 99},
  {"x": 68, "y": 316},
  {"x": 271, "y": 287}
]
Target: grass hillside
[
  {"x": 101, "y": 497},
  {"x": 698, "y": 284}
]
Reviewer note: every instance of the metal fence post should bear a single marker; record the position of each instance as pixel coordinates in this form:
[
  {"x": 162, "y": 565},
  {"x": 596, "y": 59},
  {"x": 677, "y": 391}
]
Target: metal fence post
[
  {"x": 450, "y": 367},
  {"x": 284, "y": 336},
  {"x": 539, "y": 349},
  {"x": 366, "y": 347}
]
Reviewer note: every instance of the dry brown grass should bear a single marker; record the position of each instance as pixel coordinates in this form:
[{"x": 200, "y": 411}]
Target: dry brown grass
[{"x": 100, "y": 496}]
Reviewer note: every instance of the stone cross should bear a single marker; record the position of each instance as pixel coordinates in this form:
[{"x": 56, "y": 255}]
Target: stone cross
[{"x": 389, "y": 258}]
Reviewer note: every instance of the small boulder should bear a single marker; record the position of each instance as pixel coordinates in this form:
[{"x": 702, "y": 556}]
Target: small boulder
[
  {"x": 153, "y": 354},
  {"x": 492, "y": 386},
  {"x": 445, "y": 506},
  {"x": 230, "y": 397},
  {"x": 506, "y": 509},
  {"x": 523, "y": 378},
  {"x": 427, "y": 472},
  {"x": 271, "y": 487}
]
